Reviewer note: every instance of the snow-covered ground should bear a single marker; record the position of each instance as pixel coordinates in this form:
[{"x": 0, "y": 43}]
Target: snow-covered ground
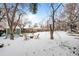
[{"x": 63, "y": 44}]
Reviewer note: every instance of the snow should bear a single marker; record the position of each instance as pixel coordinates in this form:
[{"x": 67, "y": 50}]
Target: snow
[{"x": 62, "y": 45}]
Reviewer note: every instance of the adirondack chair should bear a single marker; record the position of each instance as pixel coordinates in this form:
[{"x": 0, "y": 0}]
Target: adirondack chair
[
  {"x": 25, "y": 36},
  {"x": 37, "y": 36}
]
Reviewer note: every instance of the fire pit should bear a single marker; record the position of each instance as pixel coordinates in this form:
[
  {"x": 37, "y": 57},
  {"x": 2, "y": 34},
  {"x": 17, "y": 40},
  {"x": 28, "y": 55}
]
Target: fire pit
[
  {"x": 31, "y": 36},
  {"x": 1, "y": 45}
]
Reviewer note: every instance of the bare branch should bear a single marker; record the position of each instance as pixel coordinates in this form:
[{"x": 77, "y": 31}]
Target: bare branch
[
  {"x": 14, "y": 12},
  {"x": 5, "y": 6},
  {"x": 57, "y": 7},
  {"x": 52, "y": 5},
  {"x": 17, "y": 21}
]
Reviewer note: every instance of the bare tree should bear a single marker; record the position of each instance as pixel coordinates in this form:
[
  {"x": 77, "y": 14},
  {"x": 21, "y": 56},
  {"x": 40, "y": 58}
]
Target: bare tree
[
  {"x": 11, "y": 13},
  {"x": 2, "y": 13},
  {"x": 13, "y": 16},
  {"x": 54, "y": 9},
  {"x": 71, "y": 13}
]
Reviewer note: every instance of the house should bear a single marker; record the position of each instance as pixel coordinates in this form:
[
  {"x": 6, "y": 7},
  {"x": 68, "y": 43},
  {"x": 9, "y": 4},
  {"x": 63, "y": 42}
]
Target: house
[
  {"x": 4, "y": 26},
  {"x": 17, "y": 30}
]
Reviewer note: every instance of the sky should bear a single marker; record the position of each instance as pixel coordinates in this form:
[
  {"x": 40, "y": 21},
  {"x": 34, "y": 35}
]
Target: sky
[{"x": 42, "y": 14}]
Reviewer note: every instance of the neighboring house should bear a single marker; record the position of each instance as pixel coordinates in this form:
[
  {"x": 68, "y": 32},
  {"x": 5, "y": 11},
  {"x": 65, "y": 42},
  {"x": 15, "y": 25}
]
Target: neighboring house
[
  {"x": 4, "y": 26},
  {"x": 17, "y": 30},
  {"x": 1, "y": 27}
]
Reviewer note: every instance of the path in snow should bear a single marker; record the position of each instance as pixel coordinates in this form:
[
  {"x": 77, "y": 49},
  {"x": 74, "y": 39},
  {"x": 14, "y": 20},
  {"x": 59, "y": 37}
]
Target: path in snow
[{"x": 62, "y": 45}]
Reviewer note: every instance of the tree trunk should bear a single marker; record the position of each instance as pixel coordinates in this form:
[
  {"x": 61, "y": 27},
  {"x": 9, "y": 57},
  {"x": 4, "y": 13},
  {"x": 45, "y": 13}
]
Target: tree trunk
[
  {"x": 12, "y": 35},
  {"x": 71, "y": 28},
  {"x": 52, "y": 29},
  {"x": 53, "y": 22},
  {"x": 6, "y": 34},
  {"x": 51, "y": 32}
]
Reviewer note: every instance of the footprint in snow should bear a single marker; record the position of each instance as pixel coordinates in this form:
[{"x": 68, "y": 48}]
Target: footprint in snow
[
  {"x": 44, "y": 50},
  {"x": 34, "y": 52},
  {"x": 52, "y": 54},
  {"x": 51, "y": 49}
]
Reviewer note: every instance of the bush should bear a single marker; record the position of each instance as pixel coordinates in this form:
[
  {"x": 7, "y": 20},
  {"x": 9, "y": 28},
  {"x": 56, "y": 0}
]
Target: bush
[{"x": 1, "y": 32}]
